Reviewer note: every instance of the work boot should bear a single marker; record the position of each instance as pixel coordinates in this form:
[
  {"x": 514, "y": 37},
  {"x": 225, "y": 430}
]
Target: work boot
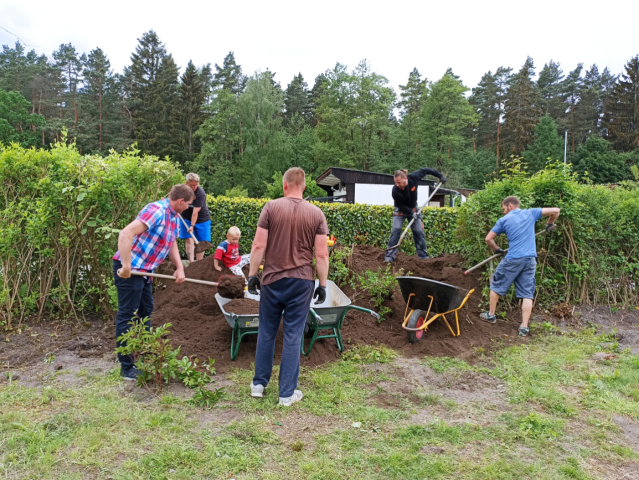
[
  {"x": 130, "y": 374},
  {"x": 288, "y": 401},
  {"x": 487, "y": 317},
  {"x": 257, "y": 391}
]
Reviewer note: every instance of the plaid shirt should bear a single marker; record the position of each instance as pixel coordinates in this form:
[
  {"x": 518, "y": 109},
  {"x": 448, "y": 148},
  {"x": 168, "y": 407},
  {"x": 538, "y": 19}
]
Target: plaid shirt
[{"x": 151, "y": 247}]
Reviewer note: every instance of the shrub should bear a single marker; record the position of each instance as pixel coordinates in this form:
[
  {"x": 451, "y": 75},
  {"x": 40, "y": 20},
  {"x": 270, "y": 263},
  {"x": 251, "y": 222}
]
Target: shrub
[
  {"x": 380, "y": 285},
  {"x": 59, "y": 215}
]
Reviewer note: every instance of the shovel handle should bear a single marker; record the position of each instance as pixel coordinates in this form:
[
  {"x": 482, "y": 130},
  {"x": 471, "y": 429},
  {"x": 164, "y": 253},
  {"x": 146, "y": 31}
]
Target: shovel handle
[
  {"x": 493, "y": 257},
  {"x": 171, "y": 277},
  {"x": 187, "y": 228}
]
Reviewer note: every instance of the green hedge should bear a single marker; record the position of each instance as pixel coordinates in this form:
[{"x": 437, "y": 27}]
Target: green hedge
[
  {"x": 360, "y": 224},
  {"x": 60, "y": 212}
]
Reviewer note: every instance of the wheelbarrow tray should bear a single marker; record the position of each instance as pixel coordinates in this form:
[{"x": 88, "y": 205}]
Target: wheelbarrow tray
[
  {"x": 242, "y": 325},
  {"x": 445, "y": 297}
]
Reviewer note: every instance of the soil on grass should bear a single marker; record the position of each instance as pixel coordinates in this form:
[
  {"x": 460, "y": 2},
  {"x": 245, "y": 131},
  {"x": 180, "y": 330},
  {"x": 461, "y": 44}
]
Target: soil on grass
[
  {"x": 199, "y": 327},
  {"x": 242, "y": 306}
]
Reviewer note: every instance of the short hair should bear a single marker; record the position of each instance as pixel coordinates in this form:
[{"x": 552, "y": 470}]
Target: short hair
[
  {"x": 181, "y": 191},
  {"x": 514, "y": 201},
  {"x": 401, "y": 173},
  {"x": 234, "y": 231},
  {"x": 192, "y": 177},
  {"x": 295, "y": 176}
]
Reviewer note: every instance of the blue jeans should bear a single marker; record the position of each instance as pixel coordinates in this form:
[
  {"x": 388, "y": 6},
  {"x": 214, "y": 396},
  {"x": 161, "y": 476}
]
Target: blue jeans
[
  {"x": 135, "y": 294},
  {"x": 288, "y": 298},
  {"x": 418, "y": 237}
]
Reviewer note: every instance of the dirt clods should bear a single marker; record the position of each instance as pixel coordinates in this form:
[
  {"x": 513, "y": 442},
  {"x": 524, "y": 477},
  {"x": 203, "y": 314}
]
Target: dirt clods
[
  {"x": 242, "y": 306},
  {"x": 231, "y": 286}
]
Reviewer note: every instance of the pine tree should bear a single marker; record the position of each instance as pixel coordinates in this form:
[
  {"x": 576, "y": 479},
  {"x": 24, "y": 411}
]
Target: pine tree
[
  {"x": 319, "y": 88},
  {"x": 412, "y": 98},
  {"x": 16, "y": 123},
  {"x": 522, "y": 110},
  {"x": 572, "y": 88},
  {"x": 189, "y": 110},
  {"x": 601, "y": 164},
  {"x": 547, "y": 145},
  {"x": 229, "y": 76},
  {"x": 622, "y": 109},
  {"x": 549, "y": 84},
  {"x": 153, "y": 78},
  {"x": 297, "y": 101},
  {"x": 69, "y": 65}
]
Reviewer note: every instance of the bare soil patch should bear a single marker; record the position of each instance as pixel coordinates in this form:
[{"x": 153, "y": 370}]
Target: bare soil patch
[{"x": 243, "y": 306}]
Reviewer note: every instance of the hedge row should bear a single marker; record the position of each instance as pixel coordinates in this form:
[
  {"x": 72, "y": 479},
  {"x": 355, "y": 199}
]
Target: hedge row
[{"x": 360, "y": 224}]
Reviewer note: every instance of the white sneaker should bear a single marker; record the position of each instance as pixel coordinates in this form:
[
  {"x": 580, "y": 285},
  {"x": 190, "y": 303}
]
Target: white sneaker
[
  {"x": 257, "y": 390},
  {"x": 288, "y": 401}
]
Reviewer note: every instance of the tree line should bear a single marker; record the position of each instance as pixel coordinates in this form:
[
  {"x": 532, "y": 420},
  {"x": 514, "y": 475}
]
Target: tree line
[{"x": 238, "y": 131}]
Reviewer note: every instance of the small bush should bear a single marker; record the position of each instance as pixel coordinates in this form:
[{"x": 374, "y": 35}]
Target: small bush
[{"x": 380, "y": 285}]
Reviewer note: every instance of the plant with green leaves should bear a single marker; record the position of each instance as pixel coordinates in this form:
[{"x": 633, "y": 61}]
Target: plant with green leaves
[
  {"x": 339, "y": 268},
  {"x": 380, "y": 285}
]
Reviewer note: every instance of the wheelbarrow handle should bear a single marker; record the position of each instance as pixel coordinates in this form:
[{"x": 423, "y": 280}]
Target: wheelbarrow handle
[
  {"x": 317, "y": 317},
  {"x": 365, "y": 310},
  {"x": 493, "y": 257}
]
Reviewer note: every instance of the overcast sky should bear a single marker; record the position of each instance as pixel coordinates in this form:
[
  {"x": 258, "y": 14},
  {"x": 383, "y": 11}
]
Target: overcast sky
[{"x": 288, "y": 37}]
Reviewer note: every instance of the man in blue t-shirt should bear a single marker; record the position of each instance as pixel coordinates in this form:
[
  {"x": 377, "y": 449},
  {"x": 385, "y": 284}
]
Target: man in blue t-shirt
[{"x": 520, "y": 262}]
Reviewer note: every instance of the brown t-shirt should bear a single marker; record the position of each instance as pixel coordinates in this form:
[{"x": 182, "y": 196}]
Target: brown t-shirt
[{"x": 292, "y": 225}]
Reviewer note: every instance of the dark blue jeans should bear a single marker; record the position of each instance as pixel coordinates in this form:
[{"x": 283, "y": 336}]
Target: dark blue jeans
[
  {"x": 290, "y": 299},
  {"x": 396, "y": 232},
  {"x": 135, "y": 302}
]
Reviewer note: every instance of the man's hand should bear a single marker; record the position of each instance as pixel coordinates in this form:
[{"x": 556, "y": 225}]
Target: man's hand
[
  {"x": 499, "y": 251},
  {"x": 179, "y": 275},
  {"x": 320, "y": 294},
  {"x": 550, "y": 227},
  {"x": 417, "y": 216},
  {"x": 443, "y": 179},
  {"x": 254, "y": 285},
  {"x": 125, "y": 271}
]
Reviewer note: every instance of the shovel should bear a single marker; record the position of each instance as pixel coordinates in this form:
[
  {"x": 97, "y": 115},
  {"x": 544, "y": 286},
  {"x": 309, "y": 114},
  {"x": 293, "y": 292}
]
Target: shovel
[
  {"x": 401, "y": 239},
  {"x": 493, "y": 257},
  {"x": 171, "y": 277}
]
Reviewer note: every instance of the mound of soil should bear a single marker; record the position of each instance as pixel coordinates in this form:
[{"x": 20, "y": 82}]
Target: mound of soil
[
  {"x": 231, "y": 286},
  {"x": 242, "y": 306},
  {"x": 199, "y": 327}
]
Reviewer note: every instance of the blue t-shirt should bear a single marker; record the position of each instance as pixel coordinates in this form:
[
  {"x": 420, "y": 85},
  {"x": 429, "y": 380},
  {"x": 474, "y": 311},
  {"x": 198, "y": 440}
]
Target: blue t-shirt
[{"x": 519, "y": 227}]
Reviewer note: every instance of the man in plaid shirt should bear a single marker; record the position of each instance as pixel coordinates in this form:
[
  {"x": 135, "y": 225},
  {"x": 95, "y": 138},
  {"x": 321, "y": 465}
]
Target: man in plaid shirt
[{"x": 143, "y": 245}]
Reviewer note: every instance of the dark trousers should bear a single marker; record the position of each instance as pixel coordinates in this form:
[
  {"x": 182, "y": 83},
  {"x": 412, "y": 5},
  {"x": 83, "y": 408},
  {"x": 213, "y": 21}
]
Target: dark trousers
[
  {"x": 418, "y": 237},
  {"x": 135, "y": 302},
  {"x": 290, "y": 299}
]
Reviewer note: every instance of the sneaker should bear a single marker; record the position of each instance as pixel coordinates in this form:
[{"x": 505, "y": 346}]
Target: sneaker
[
  {"x": 296, "y": 397},
  {"x": 523, "y": 331},
  {"x": 487, "y": 317},
  {"x": 257, "y": 390},
  {"x": 130, "y": 374}
]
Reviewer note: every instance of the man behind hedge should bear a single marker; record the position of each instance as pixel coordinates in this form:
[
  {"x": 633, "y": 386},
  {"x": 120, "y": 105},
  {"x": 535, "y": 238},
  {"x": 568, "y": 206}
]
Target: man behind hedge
[
  {"x": 143, "y": 245},
  {"x": 520, "y": 263}
]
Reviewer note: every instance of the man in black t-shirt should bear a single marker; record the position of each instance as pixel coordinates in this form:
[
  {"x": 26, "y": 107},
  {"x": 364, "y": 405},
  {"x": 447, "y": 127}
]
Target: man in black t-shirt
[
  {"x": 405, "y": 198},
  {"x": 197, "y": 218}
]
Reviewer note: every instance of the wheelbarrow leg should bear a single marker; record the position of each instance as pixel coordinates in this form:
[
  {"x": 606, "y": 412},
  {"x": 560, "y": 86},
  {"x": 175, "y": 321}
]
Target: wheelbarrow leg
[{"x": 235, "y": 348}]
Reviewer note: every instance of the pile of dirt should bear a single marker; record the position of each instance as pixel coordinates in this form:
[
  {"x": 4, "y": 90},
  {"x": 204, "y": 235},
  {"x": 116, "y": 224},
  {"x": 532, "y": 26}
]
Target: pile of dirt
[
  {"x": 199, "y": 327},
  {"x": 231, "y": 286},
  {"x": 243, "y": 306}
]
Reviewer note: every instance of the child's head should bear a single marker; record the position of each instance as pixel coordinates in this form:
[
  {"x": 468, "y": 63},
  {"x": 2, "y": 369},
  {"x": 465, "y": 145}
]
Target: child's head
[{"x": 233, "y": 235}]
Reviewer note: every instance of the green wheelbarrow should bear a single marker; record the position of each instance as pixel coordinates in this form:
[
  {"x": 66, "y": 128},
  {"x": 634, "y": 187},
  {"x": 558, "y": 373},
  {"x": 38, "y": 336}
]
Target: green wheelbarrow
[
  {"x": 329, "y": 316},
  {"x": 242, "y": 325}
]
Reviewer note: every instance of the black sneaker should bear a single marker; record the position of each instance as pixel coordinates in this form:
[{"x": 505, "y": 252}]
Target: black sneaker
[
  {"x": 523, "y": 331},
  {"x": 130, "y": 374},
  {"x": 487, "y": 317}
]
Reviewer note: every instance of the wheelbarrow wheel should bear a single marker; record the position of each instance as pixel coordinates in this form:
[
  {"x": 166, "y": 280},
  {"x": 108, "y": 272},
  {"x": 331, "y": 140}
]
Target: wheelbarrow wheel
[{"x": 416, "y": 320}]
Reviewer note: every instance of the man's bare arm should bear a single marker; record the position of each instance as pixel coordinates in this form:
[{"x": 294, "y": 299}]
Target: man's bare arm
[
  {"x": 490, "y": 240},
  {"x": 196, "y": 210},
  {"x": 125, "y": 243},
  {"x": 321, "y": 259},
  {"x": 552, "y": 213},
  {"x": 258, "y": 249}
]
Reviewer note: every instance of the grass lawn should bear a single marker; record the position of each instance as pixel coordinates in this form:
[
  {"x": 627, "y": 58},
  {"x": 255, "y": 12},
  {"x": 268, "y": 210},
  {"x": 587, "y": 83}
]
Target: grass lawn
[{"x": 544, "y": 410}]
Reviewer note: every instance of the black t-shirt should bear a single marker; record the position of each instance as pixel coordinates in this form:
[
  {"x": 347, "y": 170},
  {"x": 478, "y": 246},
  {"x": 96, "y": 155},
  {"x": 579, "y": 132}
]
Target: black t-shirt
[
  {"x": 406, "y": 200},
  {"x": 200, "y": 201}
]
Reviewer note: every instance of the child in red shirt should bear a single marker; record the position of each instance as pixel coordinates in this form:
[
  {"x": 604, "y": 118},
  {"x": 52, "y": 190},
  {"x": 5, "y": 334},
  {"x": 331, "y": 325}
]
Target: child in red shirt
[{"x": 229, "y": 253}]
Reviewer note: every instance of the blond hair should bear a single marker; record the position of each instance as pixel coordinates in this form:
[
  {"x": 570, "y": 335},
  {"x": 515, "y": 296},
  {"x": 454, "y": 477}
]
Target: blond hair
[
  {"x": 234, "y": 231},
  {"x": 295, "y": 176},
  {"x": 401, "y": 173}
]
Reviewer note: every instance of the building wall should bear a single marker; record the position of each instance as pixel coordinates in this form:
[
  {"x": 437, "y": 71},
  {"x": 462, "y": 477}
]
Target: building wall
[{"x": 372, "y": 194}]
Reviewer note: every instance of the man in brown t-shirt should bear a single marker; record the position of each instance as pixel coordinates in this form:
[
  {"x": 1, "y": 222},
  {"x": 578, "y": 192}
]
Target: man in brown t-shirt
[{"x": 288, "y": 231}]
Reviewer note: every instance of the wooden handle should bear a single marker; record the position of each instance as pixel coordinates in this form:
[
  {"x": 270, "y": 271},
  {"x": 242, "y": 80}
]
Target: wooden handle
[
  {"x": 171, "y": 277},
  {"x": 187, "y": 228}
]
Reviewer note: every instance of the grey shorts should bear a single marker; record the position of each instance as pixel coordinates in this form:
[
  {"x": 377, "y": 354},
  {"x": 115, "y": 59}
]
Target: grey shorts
[{"x": 518, "y": 270}]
